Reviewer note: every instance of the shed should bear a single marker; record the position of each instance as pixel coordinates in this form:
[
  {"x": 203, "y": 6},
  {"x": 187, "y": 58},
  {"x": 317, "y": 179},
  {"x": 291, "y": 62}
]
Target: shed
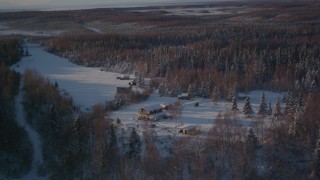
[{"x": 189, "y": 130}]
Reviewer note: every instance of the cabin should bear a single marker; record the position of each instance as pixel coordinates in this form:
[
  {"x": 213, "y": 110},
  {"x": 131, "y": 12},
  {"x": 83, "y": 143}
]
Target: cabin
[
  {"x": 154, "y": 112},
  {"x": 189, "y": 130},
  {"x": 150, "y": 110},
  {"x": 154, "y": 117},
  {"x": 124, "y": 90}
]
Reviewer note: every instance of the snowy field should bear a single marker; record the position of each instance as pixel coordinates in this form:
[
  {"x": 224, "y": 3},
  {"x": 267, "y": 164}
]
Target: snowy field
[
  {"x": 87, "y": 86},
  {"x": 5, "y": 31},
  {"x": 201, "y": 11},
  {"x": 203, "y": 116}
]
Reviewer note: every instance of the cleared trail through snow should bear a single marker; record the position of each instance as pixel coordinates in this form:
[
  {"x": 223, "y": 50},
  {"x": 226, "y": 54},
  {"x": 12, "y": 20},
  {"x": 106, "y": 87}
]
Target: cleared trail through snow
[{"x": 33, "y": 135}]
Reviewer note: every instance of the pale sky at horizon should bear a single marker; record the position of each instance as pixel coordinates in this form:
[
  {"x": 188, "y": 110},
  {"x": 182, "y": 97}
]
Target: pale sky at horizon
[{"x": 51, "y": 4}]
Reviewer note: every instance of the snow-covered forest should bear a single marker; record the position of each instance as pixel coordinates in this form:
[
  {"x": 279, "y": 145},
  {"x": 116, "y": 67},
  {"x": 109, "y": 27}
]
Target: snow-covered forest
[{"x": 238, "y": 92}]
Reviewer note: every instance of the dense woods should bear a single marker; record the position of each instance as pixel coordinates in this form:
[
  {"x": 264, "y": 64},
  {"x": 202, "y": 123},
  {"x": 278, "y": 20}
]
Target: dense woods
[
  {"x": 215, "y": 57},
  {"x": 15, "y": 147},
  {"x": 220, "y": 56}
]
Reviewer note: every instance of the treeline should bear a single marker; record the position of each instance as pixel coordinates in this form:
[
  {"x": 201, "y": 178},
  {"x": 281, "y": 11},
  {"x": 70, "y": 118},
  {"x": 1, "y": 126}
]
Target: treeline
[
  {"x": 77, "y": 145},
  {"x": 16, "y": 149},
  {"x": 251, "y": 56},
  {"x": 11, "y": 50}
]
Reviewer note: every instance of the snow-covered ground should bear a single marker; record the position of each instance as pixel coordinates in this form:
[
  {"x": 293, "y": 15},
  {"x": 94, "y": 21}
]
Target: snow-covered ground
[
  {"x": 33, "y": 135},
  {"x": 87, "y": 86},
  {"x": 203, "y": 116},
  {"x": 92, "y": 29},
  {"x": 5, "y": 31},
  {"x": 201, "y": 11}
]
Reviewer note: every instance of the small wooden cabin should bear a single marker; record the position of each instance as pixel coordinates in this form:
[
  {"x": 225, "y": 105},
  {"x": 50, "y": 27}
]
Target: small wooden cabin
[
  {"x": 150, "y": 110},
  {"x": 189, "y": 130}
]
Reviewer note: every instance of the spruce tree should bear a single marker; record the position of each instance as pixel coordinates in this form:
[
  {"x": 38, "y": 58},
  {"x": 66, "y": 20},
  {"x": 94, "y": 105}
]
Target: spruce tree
[
  {"x": 269, "y": 109},
  {"x": 134, "y": 145},
  {"x": 252, "y": 139},
  {"x": 190, "y": 91},
  {"x": 263, "y": 105},
  {"x": 277, "y": 110},
  {"x": 314, "y": 87},
  {"x": 27, "y": 52},
  {"x": 247, "y": 110},
  {"x": 289, "y": 109},
  {"x": 203, "y": 91},
  {"x": 317, "y": 157},
  {"x": 162, "y": 89},
  {"x": 234, "y": 104}
]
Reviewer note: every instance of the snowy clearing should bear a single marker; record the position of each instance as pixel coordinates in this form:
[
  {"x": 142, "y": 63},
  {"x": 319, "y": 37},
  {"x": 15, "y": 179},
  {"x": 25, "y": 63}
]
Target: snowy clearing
[
  {"x": 87, "y": 86},
  {"x": 203, "y": 116}
]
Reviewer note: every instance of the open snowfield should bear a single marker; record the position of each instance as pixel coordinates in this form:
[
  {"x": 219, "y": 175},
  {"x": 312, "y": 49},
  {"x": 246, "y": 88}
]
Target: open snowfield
[
  {"x": 201, "y": 11},
  {"x": 203, "y": 116},
  {"x": 87, "y": 86}
]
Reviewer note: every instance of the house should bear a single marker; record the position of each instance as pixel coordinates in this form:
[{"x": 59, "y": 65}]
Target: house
[
  {"x": 124, "y": 90},
  {"x": 155, "y": 117},
  {"x": 154, "y": 112},
  {"x": 150, "y": 110},
  {"x": 189, "y": 130}
]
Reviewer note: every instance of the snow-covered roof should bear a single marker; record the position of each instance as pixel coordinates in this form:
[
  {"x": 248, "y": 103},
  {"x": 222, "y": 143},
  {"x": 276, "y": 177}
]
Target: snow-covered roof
[
  {"x": 183, "y": 95},
  {"x": 188, "y": 127},
  {"x": 152, "y": 107}
]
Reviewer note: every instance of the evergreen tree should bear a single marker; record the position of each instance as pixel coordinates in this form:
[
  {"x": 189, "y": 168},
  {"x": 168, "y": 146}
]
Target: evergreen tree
[
  {"x": 118, "y": 121},
  {"x": 134, "y": 145},
  {"x": 233, "y": 92},
  {"x": 317, "y": 157},
  {"x": 269, "y": 109},
  {"x": 203, "y": 91},
  {"x": 263, "y": 105},
  {"x": 112, "y": 146},
  {"x": 234, "y": 104},
  {"x": 148, "y": 68},
  {"x": 56, "y": 85},
  {"x": 251, "y": 138},
  {"x": 190, "y": 91},
  {"x": 277, "y": 110},
  {"x": 162, "y": 89},
  {"x": 176, "y": 89},
  {"x": 314, "y": 87},
  {"x": 27, "y": 52},
  {"x": 247, "y": 110},
  {"x": 289, "y": 109}
]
